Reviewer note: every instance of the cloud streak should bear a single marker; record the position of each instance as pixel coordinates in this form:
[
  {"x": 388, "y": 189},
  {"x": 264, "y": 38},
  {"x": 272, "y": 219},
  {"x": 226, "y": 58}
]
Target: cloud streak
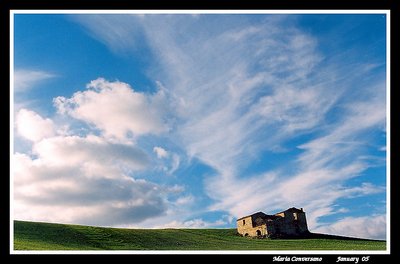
[
  {"x": 123, "y": 38},
  {"x": 25, "y": 79}
]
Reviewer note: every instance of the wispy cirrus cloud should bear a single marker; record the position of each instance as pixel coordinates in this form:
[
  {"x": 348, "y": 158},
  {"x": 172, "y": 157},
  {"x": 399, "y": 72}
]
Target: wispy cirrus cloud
[
  {"x": 322, "y": 169},
  {"x": 25, "y": 79},
  {"x": 228, "y": 93},
  {"x": 119, "y": 39},
  {"x": 267, "y": 85}
]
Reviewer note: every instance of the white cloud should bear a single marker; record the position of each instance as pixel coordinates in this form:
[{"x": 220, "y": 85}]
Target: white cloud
[
  {"x": 86, "y": 180},
  {"x": 91, "y": 152},
  {"x": 32, "y": 126},
  {"x": 116, "y": 109},
  {"x": 26, "y": 79},
  {"x": 185, "y": 200},
  {"x": 171, "y": 161},
  {"x": 373, "y": 227},
  {"x": 342, "y": 210},
  {"x": 89, "y": 179},
  {"x": 161, "y": 153},
  {"x": 194, "y": 223},
  {"x": 176, "y": 161}
]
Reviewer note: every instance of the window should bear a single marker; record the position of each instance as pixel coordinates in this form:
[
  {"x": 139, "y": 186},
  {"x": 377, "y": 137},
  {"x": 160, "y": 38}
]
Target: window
[
  {"x": 295, "y": 216},
  {"x": 244, "y": 222}
]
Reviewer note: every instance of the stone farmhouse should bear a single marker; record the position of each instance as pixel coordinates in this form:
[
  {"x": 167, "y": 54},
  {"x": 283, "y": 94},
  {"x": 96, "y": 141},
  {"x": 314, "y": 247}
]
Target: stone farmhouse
[{"x": 289, "y": 223}]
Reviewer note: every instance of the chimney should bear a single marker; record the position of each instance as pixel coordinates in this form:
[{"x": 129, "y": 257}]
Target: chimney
[{"x": 301, "y": 209}]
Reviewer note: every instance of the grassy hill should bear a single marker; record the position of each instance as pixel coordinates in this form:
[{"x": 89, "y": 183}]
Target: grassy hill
[{"x": 46, "y": 236}]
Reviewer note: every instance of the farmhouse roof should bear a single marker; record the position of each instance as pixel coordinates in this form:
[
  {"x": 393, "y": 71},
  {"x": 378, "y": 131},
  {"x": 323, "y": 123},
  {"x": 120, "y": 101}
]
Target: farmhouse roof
[
  {"x": 265, "y": 216},
  {"x": 293, "y": 209},
  {"x": 258, "y": 215},
  {"x": 253, "y": 215}
]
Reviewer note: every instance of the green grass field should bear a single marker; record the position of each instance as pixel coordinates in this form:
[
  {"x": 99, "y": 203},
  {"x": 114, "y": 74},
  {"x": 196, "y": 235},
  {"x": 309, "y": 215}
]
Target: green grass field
[{"x": 46, "y": 236}]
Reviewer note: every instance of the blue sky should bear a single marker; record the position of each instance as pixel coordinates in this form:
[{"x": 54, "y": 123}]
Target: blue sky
[{"x": 195, "y": 120}]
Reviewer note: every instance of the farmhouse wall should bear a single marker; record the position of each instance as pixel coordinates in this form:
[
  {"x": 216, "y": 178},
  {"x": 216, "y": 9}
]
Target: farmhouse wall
[{"x": 291, "y": 222}]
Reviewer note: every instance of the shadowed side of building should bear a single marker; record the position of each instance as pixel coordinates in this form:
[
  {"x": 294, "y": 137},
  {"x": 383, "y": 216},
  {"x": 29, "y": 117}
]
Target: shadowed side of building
[{"x": 289, "y": 223}]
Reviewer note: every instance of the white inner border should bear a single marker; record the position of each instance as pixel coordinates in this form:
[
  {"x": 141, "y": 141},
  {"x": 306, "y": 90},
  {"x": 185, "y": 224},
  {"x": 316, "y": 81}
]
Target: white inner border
[{"x": 277, "y": 252}]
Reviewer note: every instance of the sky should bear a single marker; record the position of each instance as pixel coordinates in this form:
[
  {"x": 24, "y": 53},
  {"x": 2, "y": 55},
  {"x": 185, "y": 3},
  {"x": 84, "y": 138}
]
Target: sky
[{"x": 195, "y": 120}]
